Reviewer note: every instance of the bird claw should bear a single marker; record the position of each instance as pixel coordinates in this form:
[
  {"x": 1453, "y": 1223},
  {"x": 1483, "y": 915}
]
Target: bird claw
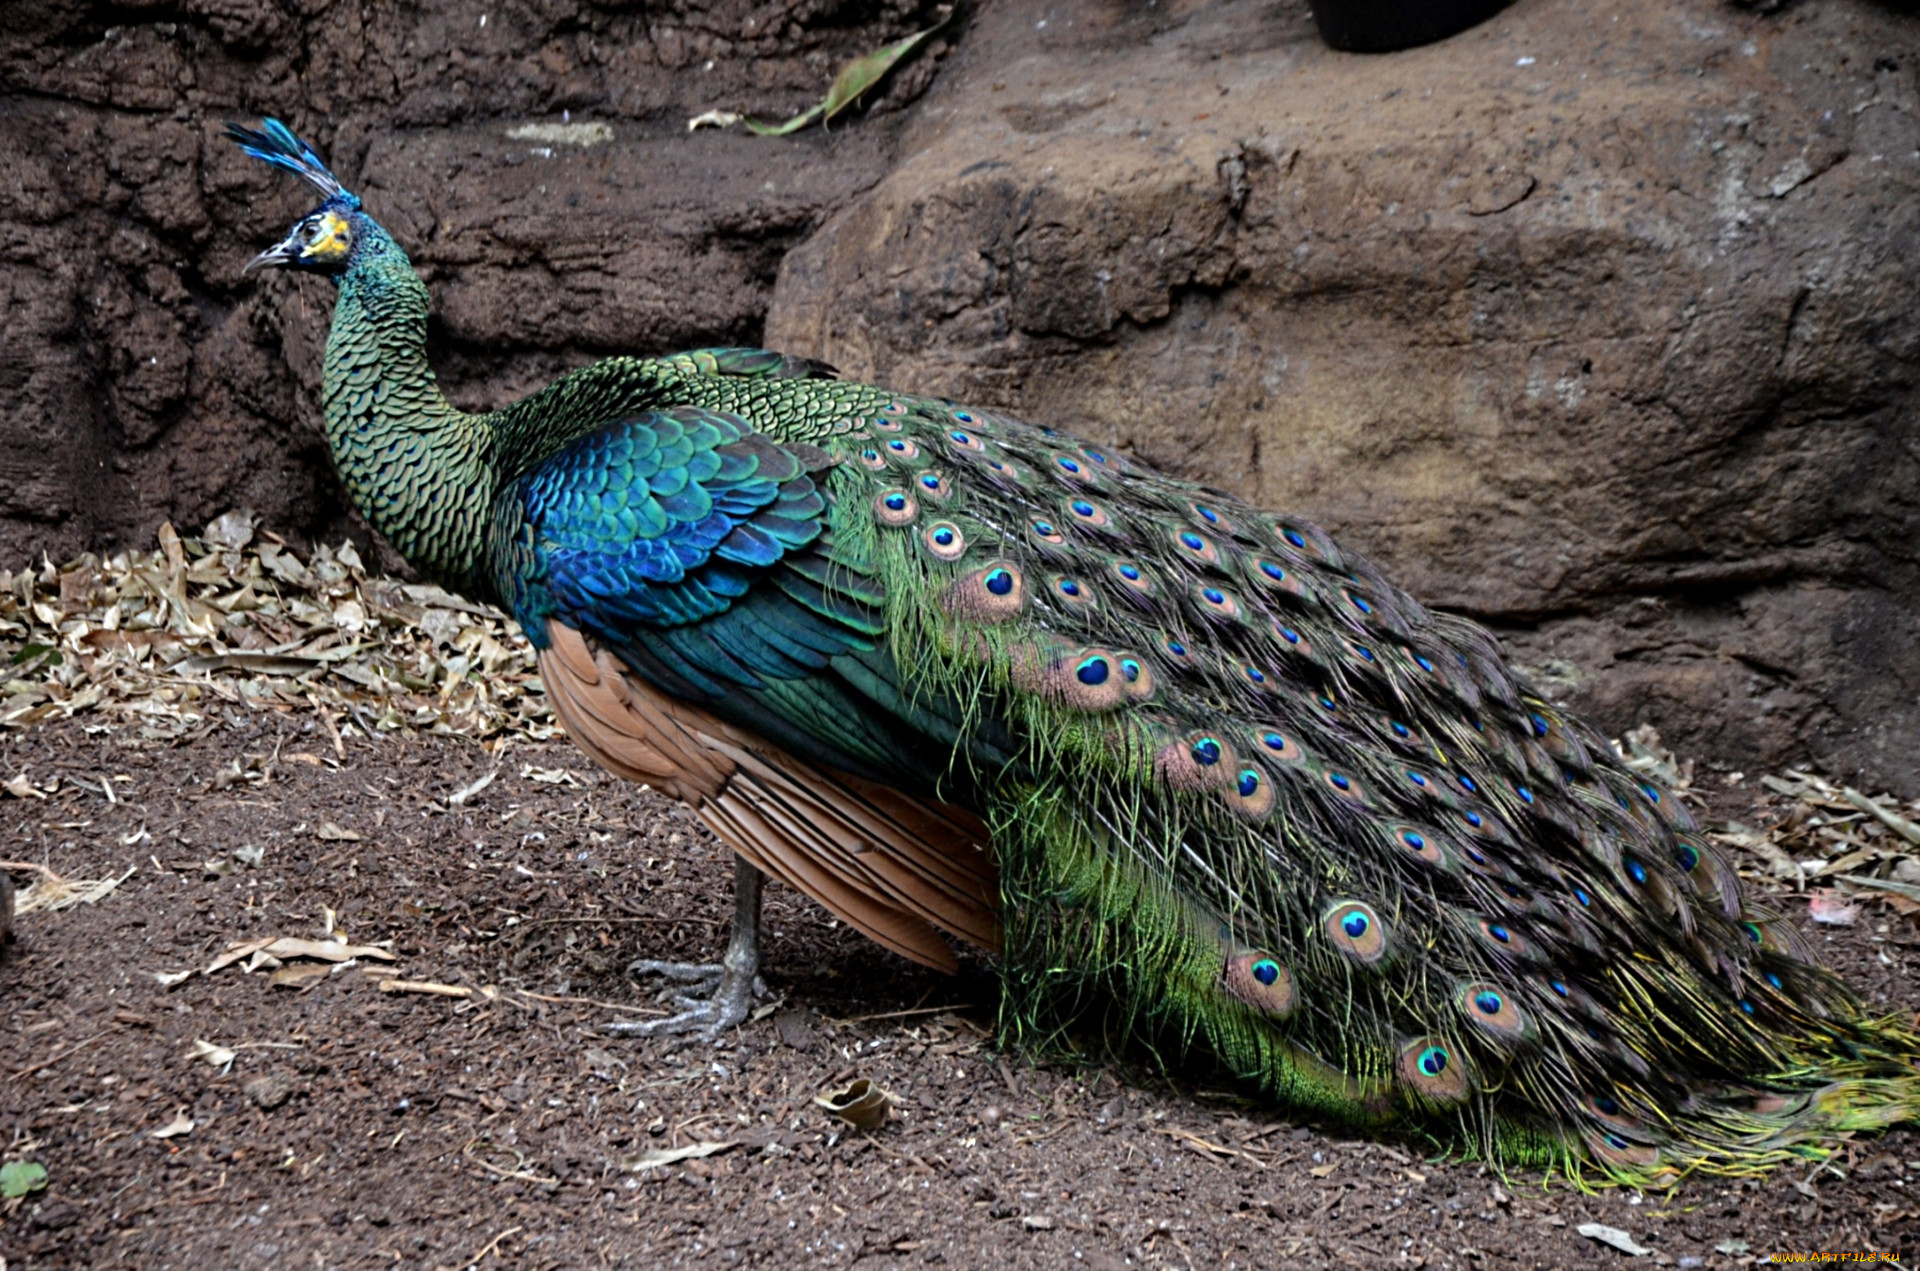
[{"x": 717, "y": 999}]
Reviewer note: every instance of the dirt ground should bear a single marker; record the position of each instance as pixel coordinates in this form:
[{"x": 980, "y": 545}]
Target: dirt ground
[{"x": 361, "y": 1128}]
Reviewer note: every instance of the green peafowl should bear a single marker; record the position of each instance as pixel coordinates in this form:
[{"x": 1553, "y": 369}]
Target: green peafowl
[{"x": 1180, "y": 763}]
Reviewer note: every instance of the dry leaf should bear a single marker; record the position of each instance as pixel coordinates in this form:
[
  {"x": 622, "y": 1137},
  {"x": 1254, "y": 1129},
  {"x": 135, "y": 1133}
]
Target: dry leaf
[
  {"x": 181, "y": 1124},
  {"x": 1827, "y": 905},
  {"x": 860, "y": 1103},
  {"x": 300, "y": 976},
  {"x": 211, "y": 1055},
  {"x": 1614, "y": 1237},
  {"x": 668, "y": 1156},
  {"x": 335, "y": 834}
]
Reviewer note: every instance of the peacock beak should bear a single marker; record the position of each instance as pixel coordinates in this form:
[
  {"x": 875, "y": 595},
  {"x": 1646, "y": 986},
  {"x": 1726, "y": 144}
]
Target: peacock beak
[{"x": 284, "y": 252}]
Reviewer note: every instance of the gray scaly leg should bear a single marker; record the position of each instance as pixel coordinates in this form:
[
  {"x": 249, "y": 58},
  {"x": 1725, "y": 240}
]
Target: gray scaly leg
[{"x": 732, "y": 987}]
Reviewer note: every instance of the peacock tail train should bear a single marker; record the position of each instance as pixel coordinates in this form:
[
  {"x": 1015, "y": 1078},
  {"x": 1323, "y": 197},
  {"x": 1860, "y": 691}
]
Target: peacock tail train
[{"x": 1246, "y": 799}]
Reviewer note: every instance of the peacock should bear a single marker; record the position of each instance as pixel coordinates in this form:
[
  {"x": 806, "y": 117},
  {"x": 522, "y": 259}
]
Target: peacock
[{"x": 1190, "y": 769}]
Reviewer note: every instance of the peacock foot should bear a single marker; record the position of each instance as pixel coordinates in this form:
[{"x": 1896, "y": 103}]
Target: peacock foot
[{"x": 717, "y": 998}]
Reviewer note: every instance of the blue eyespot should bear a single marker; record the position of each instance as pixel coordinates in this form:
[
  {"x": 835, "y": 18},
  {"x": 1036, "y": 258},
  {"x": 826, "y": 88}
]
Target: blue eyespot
[
  {"x": 1606, "y": 1105},
  {"x": 1363, "y": 651},
  {"x": 1176, "y": 648},
  {"x": 896, "y": 502},
  {"x": 1339, "y": 781},
  {"x": 1327, "y": 703},
  {"x": 1636, "y": 871},
  {"x": 1580, "y": 894},
  {"x": 1289, "y": 635},
  {"x": 1466, "y": 783},
  {"x": 1130, "y": 669},
  {"x": 1206, "y": 752},
  {"x": 1098, "y": 456},
  {"x": 1526, "y": 795},
  {"x": 1473, "y": 819},
  {"x": 1650, "y": 792},
  {"x": 1068, "y": 587},
  {"x": 999, "y": 582},
  {"x": 1273, "y": 741},
  {"x": 1191, "y": 541},
  {"x": 1417, "y": 778},
  {"x": 930, "y": 481},
  {"x": 1559, "y": 986},
  {"x": 1432, "y": 1061},
  {"x": 1082, "y": 508},
  {"x": 1249, "y": 783},
  {"x": 1746, "y": 1006},
  {"x": 1068, "y": 464},
  {"x": 1044, "y": 529},
  {"x": 963, "y": 417},
  {"x": 1355, "y": 924},
  {"x": 870, "y": 455},
  {"x": 1273, "y": 571},
  {"x": 896, "y": 444},
  {"x": 1093, "y": 671},
  {"x": 961, "y": 437},
  {"x": 1130, "y": 573},
  {"x": 1501, "y": 934},
  {"x": 1413, "y": 840},
  {"x": 1359, "y": 602},
  {"x": 1424, "y": 664},
  {"x": 1775, "y": 980},
  {"x": 1539, "y": 726},
  {"x": 1294, "y": 538},
  {"x": 1255, "y": 674},
  {"x": 1266, "y": 970},
  {"x": 1688, "y": 856},
  {"x": 943, "y": 536},
  {"x": 1213, "y": 596},
  {"x": 1207, "y": 514},
  {"x": 1487, "y": 1002},
  {"x": 1399, "y": 729}
]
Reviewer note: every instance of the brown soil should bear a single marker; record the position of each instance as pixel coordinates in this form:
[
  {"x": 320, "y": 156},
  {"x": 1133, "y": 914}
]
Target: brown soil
[{"x": 358, "y": 1128}]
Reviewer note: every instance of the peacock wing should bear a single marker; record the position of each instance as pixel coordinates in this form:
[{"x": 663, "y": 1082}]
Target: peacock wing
[{"x": 700, "y": 628}]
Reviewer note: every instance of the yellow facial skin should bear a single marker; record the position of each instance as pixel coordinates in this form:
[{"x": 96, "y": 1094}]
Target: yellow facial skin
[{"x": 329, "y": 241}]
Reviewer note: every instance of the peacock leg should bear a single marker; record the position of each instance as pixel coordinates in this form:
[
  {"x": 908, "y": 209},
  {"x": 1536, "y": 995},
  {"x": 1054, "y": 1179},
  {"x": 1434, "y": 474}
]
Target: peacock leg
[{"x": 731, "y": 987}]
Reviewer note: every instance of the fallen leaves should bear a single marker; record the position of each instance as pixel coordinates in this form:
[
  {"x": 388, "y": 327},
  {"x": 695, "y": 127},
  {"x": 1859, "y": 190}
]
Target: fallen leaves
[
  {"x": 181, "y": 1124},
  {"x": 1614, "y": 1238},
  {"x": 51, "y": 893},
  {"x": 1861, "y": 843},
  {"x": 154, "y": 638},
  {"x": 854, "y": 81},
  {"x": 17, "y": 1178}
]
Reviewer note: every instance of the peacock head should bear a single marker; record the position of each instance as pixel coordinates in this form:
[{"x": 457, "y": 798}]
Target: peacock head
[{"x": 324, "y": 240}]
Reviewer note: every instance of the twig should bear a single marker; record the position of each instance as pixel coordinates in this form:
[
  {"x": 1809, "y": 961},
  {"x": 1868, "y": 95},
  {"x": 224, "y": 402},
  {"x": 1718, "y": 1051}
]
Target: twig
[
  {"x": 56, "y": 1057},
  {"x": 589, "y": 1001},
  {"x": 918, "y": 1010},
  {"x": 493, "y": 1243}
]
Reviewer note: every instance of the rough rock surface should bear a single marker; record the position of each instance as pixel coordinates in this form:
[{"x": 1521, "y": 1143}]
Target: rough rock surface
[
  {"x": 145, "y": 379},
  {"x": 1595, "y": 322}
]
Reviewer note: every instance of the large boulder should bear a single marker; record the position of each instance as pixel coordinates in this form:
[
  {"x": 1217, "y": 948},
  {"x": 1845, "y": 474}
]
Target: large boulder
[{"x": 1598, "y": 323}]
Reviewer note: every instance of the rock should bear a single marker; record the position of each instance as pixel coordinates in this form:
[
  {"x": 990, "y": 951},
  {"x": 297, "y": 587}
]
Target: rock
[
  {"x": 1598, "y": 324},
  {"x": 270, "y": 1091}
]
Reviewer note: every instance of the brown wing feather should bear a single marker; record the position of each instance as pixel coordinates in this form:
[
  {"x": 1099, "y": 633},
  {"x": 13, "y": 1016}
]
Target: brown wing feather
[{"x": 890, "y": 865}]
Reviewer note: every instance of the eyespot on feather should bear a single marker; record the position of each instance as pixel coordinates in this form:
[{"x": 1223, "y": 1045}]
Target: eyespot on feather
[
  {"x": 1616, "y": 1151},
  {"x": 1278, "y": 746},
  {"x": 997, "y": 593},
  {"x": 895, "y": 507},
  {"x": 932, "y": 485},
  {"x": 1252, "y": 794},
  {"x": 1073, "y": 593},
  {"x": 1210, "y": 517},
  {"x": 1262, "y": 982},
  {"x": 1196, "y": 547},
  {"x": 944, "y": 540},
  {"x": 1501, "y": 939},
  {"x": 1346, "y": 786},
  {"x": 1088, "y": 680},
  {"x": 1423, "y": 845},
  {"x": 1353, "y": 928},
  {"x": 1133, "y": 577},
  {"x": 1212, "y": 602},
  {"x": 1198, "y": 761},
  {"x": 1088, "y": 513},
  {"x": 1276, "y": 577},
  {"x": 1138, "y": 677},
  {"x": 1493, "y": 1011},
  {"x": 961, "y": 439},
  {"x": 873, "y": 458},
  {"x": 1433, "y": 1071},
  {"x": 1046, "y": 533}
]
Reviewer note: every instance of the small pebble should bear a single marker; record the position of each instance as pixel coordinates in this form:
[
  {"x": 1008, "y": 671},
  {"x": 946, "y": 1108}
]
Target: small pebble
[{"x": 270, "y": 1091}]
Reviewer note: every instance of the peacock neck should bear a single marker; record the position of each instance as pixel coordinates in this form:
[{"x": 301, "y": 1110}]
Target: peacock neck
[{"x": 419, "y": 469}]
